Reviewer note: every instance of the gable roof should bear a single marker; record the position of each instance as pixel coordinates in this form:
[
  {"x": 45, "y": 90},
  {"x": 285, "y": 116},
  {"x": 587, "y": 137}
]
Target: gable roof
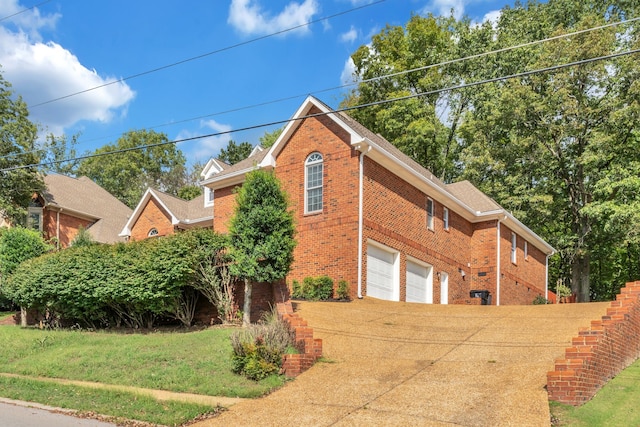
[
  {"x": 185, "y": 213},
  {"x": 470, "y": 203},
  {"x": 84, "y": 198}
]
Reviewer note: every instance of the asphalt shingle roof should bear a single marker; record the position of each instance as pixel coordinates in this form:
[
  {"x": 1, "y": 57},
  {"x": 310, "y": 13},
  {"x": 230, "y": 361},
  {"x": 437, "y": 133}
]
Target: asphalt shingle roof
[{"x": 83, "y": 196}]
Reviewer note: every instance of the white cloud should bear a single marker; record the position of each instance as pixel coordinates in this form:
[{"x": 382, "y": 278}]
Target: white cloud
[
  {"x": 348, "y": 72},
  {"x": 492, "y": 16},
  {"x": 350, "y": 36},
  {"x": 443, "y": 7},
  {"x": 42, "y": 71},
  {"x": 248, "y": 17},
  {"x": 205, "y": 148}
]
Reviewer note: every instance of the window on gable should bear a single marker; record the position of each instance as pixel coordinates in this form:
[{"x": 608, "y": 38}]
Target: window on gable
[
  {"x": 313, "y": 183},
  {"x": 430, "y": 212},
  {"x": 152, "y": 232},
  {"x": 513, "y": 247},
  {"x": 445, "y": 218}
]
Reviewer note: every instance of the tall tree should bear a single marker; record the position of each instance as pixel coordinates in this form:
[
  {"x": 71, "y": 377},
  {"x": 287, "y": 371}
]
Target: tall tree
[
  {"x": 17, "y": 148},
  {"x": 235, "y": 152},
  {"x": 127, "y": 174},
  {"x": 424, "y": 128},
  {"x": 57, "y": 154},
  {"x": 543, "y": 144},
  {"x": 262, "y": 234}
]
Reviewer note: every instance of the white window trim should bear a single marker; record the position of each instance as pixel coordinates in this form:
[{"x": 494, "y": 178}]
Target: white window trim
[
  {"x": 152, "y": 232},
  {"x": 526, "y": 250},
  {"x": 445, "y": 218},
  {"x": 209, "y": 196},
  {"x": 430, "y": 213},
  {"x": 36, "y": 210},
  {"x": 307, "y": 164},
  {"x": 514, "y": 247}
]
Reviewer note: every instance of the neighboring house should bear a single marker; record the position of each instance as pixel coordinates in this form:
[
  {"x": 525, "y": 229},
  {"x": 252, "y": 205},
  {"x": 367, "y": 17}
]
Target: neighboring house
[
  {"x": 160, "y": 214},
  {"x": 68, "y": 204},
  {"x": 368, "y": 214}
]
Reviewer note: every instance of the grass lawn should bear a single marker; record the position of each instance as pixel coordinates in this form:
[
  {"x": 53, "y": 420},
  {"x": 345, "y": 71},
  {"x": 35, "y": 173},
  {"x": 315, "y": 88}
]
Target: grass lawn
[
  {"x": 116, "y": 404},
  {"x": 616, "y": 404},
  {"x": 193, "y": 362}
]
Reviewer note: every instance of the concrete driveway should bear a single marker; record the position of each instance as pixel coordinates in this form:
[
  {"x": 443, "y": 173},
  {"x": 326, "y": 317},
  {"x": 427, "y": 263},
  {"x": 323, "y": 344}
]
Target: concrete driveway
[{"x": 400, "y": 364}]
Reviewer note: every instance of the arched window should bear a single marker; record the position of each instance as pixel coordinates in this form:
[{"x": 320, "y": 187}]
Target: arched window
[
  {"x": 152, "y": 232},
  {"x": 313, "y": 183}
]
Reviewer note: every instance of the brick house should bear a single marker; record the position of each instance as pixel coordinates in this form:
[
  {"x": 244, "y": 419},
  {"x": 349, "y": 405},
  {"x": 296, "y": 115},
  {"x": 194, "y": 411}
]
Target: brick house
[
  {"x": 160, "y": 214},
  {"x": 68, "y": 204},
  {"x": 368, "y": 214}
]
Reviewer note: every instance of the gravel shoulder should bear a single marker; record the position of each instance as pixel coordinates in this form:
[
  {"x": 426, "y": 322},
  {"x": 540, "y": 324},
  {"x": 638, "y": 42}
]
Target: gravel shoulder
[{"x": 431, "y": 365}]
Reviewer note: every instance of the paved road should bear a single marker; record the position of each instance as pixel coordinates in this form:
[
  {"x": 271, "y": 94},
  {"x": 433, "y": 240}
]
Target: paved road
[
  {"x": 12, "y": 415},
  {"x": 399, "y": 364}
]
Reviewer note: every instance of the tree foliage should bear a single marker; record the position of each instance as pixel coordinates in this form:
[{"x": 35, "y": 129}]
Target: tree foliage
[
  {"x": 127, "y": 175},
  {"x": 558, "y": 148},
  {"x": 235, "y": 152},
  {"x": 17, "y": 148},
  {"x": 261, "y": 233},
  {"x": 269, "y": 138}
]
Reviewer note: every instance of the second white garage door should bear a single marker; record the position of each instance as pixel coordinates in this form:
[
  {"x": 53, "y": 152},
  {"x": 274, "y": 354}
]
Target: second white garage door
[
  {"x": 419, "y": 283},
  {"x": 381, "y": 275}
]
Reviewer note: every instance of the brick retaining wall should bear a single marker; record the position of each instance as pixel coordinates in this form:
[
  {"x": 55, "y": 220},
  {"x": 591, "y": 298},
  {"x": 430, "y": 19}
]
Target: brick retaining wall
[
  {"x": 600, "y": 351},
  {"x": 311, "y": 348}
]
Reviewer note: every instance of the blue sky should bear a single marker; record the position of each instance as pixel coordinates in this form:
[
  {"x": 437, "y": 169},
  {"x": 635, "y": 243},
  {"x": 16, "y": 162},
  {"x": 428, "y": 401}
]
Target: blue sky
[{"x": 62, "y": 47}]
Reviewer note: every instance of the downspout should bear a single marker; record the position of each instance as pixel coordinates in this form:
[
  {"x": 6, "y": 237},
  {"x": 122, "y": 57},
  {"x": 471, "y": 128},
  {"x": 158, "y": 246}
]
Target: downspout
[
  {"x": 498, "y": 260},
  {"x": 58, "y": 230},
  {"x": 546, "y": 277},
  {"x": 360, "y": 215}
]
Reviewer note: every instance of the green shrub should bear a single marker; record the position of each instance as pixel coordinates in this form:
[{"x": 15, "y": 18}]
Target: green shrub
[
  {"x": 313, "y": 288},
  {"x": 258, "y": 349},
  {"x": 17, "y": 245},
  {"x": 100, "y": 285},
  {"x": 540, "y": 300},
  {"x": 343, "y": 290}
]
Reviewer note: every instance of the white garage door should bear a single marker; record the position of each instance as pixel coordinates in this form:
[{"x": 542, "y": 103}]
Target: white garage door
[
  {"x": 380, "y": 273},
  {"x": 419, "y": 283}
]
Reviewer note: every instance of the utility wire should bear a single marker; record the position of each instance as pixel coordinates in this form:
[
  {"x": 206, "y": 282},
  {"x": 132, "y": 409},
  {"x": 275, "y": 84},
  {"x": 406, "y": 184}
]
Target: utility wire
[
  {"x": 23, "y": 11},
  {"x": 371, "y": 79},
  {"x": 213, "y": 52},
  {"x": 344, "y": 109}
]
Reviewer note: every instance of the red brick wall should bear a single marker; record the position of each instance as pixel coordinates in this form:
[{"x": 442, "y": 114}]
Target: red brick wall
[
  {"x": 523, "y": 281},
  {"x": 328, "y": 240},
  {"x": 223, "y": 208},
  {"x": 68, "y": 226},
  {"x": 599, "y": 352},
  {"x": 152, "y": 215},
  {"x": 483, "y": 261},
  {"x": 395, "y": 215}
]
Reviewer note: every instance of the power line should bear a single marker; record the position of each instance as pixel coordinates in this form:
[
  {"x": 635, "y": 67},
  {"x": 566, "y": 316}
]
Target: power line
[
  {"x": 339, "y": 110},
  {"x": 372, "y": 79},
  {"x": 24, "y": 10},
  {"x": 213, "y": 52}
]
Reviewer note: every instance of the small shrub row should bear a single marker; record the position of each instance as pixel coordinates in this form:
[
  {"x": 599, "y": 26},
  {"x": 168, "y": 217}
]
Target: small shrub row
[
  {"x": 319, "y": 289},
  {"x": 259, "y": 348}
]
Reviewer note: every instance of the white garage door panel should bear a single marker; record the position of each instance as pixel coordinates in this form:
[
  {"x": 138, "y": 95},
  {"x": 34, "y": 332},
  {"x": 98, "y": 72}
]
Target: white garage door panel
[
  {"x": 418, "y": 283},
  {"x": 379, "y": 273}
]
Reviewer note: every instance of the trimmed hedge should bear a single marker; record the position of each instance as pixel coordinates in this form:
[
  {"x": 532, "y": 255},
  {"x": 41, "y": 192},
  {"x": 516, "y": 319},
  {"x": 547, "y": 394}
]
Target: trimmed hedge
[{"x": 111, "y": 285}]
